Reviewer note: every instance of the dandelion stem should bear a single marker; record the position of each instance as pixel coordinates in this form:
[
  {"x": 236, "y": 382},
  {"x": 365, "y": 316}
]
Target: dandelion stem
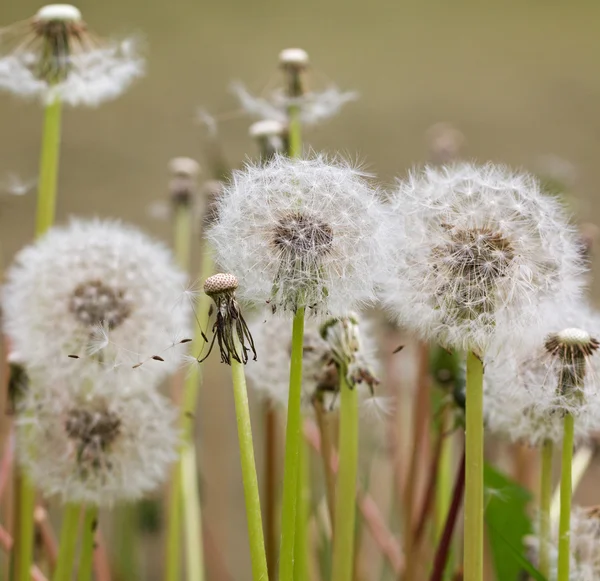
[
  {"x": 182, "y": 234},
  {"x": 326, "y": 454},
  {"x": 26, "y": 528},
  {"x": 564, "y": 526},
  {"x": 46, "y": 204},
  {"x": 173, "y": 558},
  {"x": 473, "y": 518},
  {"x": 126, "y": 541},
  {"x": 68, "y": 543},
  {"x": 86, "y": 559},
  {"x": 345, "y": 513},
  {"x": 301, "y": 572},
  {"x": 271, "y": 485},
  {"x": 251, "y": 492},
  {"x": 295, "y": 131},
  {"x": 194, "y": 550},
  {"x": 444, "y": 475},
  {"x": 293, "y": 437},
  {"x": 545, "y": 497}
]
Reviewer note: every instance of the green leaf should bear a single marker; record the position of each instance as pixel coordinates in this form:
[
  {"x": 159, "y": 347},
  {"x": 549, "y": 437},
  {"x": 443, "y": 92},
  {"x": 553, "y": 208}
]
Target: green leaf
[{"x": 508, "y": 524}]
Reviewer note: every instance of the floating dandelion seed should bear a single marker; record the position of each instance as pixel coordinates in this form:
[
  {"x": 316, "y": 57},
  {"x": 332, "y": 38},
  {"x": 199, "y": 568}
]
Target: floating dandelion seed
[
  {"x": 478, "y": 250},
  {"x": 98, "y": 290},
  {"x": 54, "y": 56},
  {"x": 96, "y": 448},
  {"x": 301, "y": 233}
]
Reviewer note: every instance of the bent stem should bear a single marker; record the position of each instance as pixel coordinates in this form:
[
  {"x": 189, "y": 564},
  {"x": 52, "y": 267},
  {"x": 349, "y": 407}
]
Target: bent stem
[
  {"x": 564, "y": 527},
  {"x": 68, "y": 543},
  {"x": 293, "y": 437},
  {"x": 473, "y": 518},
  {"x": 258, "y": 555},
  {"x": 46, "y": 203},
  {"x": 345, "y": 513},
  {"x": 545, "y": 497},
  {"x": 86, "y": 560}
]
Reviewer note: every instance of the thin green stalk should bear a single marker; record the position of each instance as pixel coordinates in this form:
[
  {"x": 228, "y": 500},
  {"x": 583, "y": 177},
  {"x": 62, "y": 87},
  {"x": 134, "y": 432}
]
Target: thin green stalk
[
  {"x": 295, "y": 132},
  {"x": 443, "y": 490},
  {"x": 564, "y": 526},
  {"x": 345, "y": 513},
  {"x": 182, "y": 234},
  {"x": 473, "y": 543},
  {"x": 46, "y": 204},
  {"x": 68, "y": 543},
  {"x": 258, "y": 555},
  {"x": 301, "y": 572},
  {"x": 175, "y": 509},
  {"x": 194, "y": 550},
  {"x": 293, "y": 438},
  {"x": 26, "y": 528},
  {"x": 545, "y": 498},
  {"x": 86, "y": 559},
  {"x": 126, "y": 541}
]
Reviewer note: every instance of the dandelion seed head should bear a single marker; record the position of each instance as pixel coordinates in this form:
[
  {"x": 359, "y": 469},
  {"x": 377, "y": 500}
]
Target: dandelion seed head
[
  {"x": 99, "y": 447},
  {"x": 62, "y": 12},
  {"x": 183, "y": 184},
  {"x": 220, "y": 283},
  {"x": 478, "y": 250},
  {"x": 294, "y": 57},
  {"x": 88, "y": 276},
  {"x": 267, "y": 128},
  {"x": 301, "y": 233}
]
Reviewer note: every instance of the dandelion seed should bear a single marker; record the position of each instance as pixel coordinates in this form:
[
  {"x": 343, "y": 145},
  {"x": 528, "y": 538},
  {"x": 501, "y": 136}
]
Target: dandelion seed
[
  {"x": 96, "y": 448},
  {"x": 54, "y": 56},
  {"x": 94, "y": 288},
  {"x": 477, "y": 251},
  {"x": 301, "y": 233}
]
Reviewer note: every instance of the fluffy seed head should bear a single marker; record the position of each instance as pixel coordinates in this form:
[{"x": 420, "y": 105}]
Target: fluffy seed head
[
  {"x": 220, "y": 283},
  {"x": 98, "y": 448},
  {"x": 98, "y": 290},
  {"x": 54, "y": 56},
  {"x": 478, "y": 250},
  {"x": 301, "y": 233}
]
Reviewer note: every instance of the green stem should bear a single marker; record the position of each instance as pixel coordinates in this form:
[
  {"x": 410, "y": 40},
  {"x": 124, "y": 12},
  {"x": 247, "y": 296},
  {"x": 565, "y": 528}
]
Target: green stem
[
  {"x": 182, "y": 234},
  {"x": 194, "y": 550},
  {"x": 345, "y": 512},
  {"x": 545, "y": 498},
  {"x": 46, "y": 204},
  {"x": 26, "y": 529},
  {"x": 301, "y": 572},
  {"x": 443, "y": 490},
  {"x": 126, "y": 541},
  {"x": 293, "y": 437},
  {"x": 564, "y": 527},
  {"x": 86, "y": 559},
  {"x": 473, "y": 543},
  {"x": 68, "y": 543},
  {"x": 173, "y": 557},
  {"x": 258, "y": 555},
  {"x": 295, "y": 132}
]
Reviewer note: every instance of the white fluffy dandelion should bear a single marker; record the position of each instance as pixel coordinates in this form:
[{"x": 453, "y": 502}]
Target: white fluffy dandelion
[
  {"x": 528, "y": 390},
  {"x": 54, "y": 56},
  {"x": 98, "y": 290},
  {"x": 96, "y": 448},
  {"x": 269, "y": 375},
  {"x": 478, "y": 249},
  {"x": 301, "y": 233}
]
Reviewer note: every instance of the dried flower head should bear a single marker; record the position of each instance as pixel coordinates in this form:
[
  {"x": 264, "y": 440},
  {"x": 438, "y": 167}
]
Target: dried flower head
[
  {"x": 478, "y": 250},
  {"x": 343, "y": 348},
  {"x": 96, "y": 448},
  {"x": 97, "y": 290},
  {"x": 229, "y": 330},
  {"x": 528, "y": 389},
  {"x": 54, "y": 56},
  {"x": 301, "y": 233}
]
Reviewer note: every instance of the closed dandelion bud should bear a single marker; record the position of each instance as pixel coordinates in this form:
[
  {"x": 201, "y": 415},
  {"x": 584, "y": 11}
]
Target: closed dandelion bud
[
  {"x": 92, "y": 296},
  {"x": 270, "y": 136},
  {"x": 478, "y": 250},
  {"x": 301, "y": 233},
  {"x": 54, "y": 56},
  {"x": 293, "y": 62},
  {"x": 96, "y": 448},
  {"x": 184, "y": 180}
]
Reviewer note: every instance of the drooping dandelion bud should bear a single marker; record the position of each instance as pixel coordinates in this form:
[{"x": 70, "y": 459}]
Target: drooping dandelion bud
[
  {"x": 92, "y": 296},
  {"x": 96, "y": 448},
  {"x": 229, "y": 330},
  {"x": 477, "y": 251},
  {"x": 271, "y": 137},
  {"x": 529, "y": 389},
  {"x": 54, "y": 55},
  {"x": 184, "y": 180},
  {"x": 301, "y": 233}
]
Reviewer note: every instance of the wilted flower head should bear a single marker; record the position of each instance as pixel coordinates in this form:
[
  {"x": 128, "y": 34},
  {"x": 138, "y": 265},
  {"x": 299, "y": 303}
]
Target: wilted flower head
[
  {"x": 99, "y": 447},
  {"x": 478, "y": 249},
  {"x": 97, "y": 290},
  {"x": 528, "y": 390},
  {"x": 301, "y": 233},
  {"x": 328, "y": 348},
  {"x": 54, "y": 56}
]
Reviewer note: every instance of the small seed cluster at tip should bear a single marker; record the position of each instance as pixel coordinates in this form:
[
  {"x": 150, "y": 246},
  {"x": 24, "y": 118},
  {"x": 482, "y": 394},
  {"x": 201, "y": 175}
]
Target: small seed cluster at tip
[
  {"x": 572, "y": 340},
  {"x": 184, "y": 167},
  {"x": 62, "y": 12},
  {"x": 293, "y": 57},
  {"x": 220, "y": 283}
]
